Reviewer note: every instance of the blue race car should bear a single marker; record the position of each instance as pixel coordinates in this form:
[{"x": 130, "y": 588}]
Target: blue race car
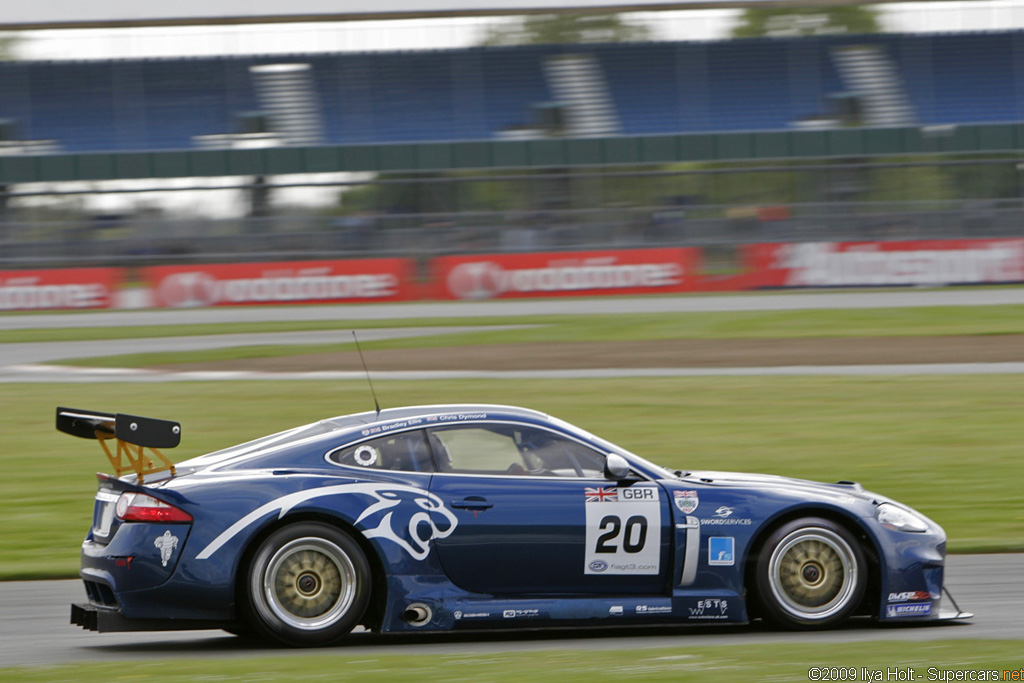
[{"x": 435, "y": 518}]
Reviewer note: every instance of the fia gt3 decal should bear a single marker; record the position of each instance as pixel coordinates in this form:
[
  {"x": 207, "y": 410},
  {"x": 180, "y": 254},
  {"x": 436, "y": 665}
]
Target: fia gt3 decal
[
  {"x": 623, "y": 530},
  {"x": 413, "y": 533}
]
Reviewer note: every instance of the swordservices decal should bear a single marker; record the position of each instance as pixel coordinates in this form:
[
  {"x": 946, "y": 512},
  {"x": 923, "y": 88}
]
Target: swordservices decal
[
  {"x": 387, "y": 496},
  {"x": 623, "y": 530}
]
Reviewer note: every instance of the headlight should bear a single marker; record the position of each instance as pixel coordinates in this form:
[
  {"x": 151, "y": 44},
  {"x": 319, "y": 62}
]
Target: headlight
[{"x": 898, "y": 519}]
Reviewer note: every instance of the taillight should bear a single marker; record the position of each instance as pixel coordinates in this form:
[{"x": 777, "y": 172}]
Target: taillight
[{"x": 138, "y": 507}]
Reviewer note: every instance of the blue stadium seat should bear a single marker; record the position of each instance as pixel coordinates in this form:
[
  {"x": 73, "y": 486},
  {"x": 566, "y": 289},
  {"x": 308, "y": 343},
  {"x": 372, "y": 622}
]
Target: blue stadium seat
[{"x": 480, "y": 93}]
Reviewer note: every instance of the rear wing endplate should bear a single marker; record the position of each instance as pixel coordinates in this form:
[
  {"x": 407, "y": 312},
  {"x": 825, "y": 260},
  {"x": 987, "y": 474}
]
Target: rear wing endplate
[{"x": 133, "y": 434}]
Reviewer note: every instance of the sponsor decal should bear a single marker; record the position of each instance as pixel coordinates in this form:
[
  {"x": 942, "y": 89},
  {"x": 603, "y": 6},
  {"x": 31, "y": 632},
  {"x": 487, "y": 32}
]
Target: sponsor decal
[
  {"x": 601, "y": 495},
  {"x": 711, "y": 609},
  {"x": 909, "y": 609},
  {"x": 721, "y": 551},
  {"x": 615, "y": 610},
  {"x": 280, "y": 282},
  {"x": 629, "y": 271},
  {"x": 408, "y": 517},
  {"x": 934, "y": 262},
  {"x": 520, "y": 613},
  {"x": 51, "y": 290},
  {"x": 727, "y": 521},
  {"x": 724, "y": 511},
  {"x": 623, "y": 530},
  {"x": 125, "y": 562},
  {"x": 686, "y": 501},
  {"x": 654, "y": 609},
  {"x": 166, "y": 545},
  {"x": 907, "y": 596},
  {"x": 460, "y": 615},
  {"x": 365, "y": 456}
]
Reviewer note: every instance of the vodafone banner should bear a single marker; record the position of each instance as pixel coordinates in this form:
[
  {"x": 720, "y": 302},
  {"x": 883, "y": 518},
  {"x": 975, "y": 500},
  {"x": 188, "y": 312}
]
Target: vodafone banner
[
  {"x": 872, "y": 264},
  {"x": 295, "y": 282},
  {"x": 72, "y": 288},
  {"x": 581, "y": 273}
]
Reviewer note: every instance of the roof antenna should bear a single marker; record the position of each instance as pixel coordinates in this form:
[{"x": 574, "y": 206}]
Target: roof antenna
[{"x": 376, "y": 404}]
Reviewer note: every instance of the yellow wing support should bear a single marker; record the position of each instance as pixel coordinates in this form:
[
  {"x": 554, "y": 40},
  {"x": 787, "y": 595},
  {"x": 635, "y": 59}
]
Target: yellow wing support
[{"x": 132, "y": 436}]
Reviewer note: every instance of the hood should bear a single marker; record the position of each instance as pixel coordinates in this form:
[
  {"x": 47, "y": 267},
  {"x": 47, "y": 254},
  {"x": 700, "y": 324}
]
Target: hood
[{"x": 771, "y": 482}]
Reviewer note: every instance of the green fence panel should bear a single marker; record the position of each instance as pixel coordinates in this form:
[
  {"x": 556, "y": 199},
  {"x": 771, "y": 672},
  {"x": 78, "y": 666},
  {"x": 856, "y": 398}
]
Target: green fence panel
[
  {"x": 398, "y": 157},
  {"x": 285, "y": 160},
  {"x": 477, "y": 154},
  {"x": 17, "y": 169},
  {"x": 246, "y": 162},
  {"x": 734, "y": 145},
  {"x": 696, "y": 148},
  {"x": 133, "y": 165},
  {"x": 434, "y": 157},
  {"x": 808, "y": 143},
  {"x": 621, "y": 151},
  {"x": 845, "y": 143},
  {"x": 170, "y": 165},
  {"x": 772, "y": 145},
  {"x": 321, "y": 159},
  {"x": 585, "y": 152},
  {"x": 62, "y": 167},
  {"x": 209, "y": 163},
  {"x": 546, "y": 153},
  {"x": 512, "y": 154},
  {"x": 359, "y": 158}
]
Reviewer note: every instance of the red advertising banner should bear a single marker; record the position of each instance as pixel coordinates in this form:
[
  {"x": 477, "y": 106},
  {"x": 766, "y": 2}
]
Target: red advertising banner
[
  {"x": 286, "y": 282},
  {"x": 886, "y": 264},
  {"x": 52, "y": 290},
  {"x": 577, "y": 273}
]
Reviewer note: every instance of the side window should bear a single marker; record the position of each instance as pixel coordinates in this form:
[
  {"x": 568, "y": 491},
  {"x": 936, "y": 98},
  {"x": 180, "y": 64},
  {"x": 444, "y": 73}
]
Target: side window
[
  {"x": 513, "y": 450},
  {"x": 405, "y": 451}
]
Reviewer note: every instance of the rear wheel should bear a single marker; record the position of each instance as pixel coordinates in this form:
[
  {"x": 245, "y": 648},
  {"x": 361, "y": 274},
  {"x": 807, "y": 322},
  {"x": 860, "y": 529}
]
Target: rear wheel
[
  {"x": 811, "y": 574},
  {"x": 307, "y": 584}
]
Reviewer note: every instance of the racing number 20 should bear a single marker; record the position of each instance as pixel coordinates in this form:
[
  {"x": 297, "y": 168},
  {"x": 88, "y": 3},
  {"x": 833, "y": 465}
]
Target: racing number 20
[{"x": 634, "y": 535}]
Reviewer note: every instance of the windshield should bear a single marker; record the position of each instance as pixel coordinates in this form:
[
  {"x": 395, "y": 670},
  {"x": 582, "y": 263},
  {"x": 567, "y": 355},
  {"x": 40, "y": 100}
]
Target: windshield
[{"x": 608, "y": 446}]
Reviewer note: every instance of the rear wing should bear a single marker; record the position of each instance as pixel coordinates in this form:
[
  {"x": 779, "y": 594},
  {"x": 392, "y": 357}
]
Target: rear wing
[{"x": 133, "y": 434}]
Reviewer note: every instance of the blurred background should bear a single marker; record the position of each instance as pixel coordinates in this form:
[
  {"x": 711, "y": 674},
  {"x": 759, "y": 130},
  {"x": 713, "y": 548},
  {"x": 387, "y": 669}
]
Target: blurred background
[{"x": 130, "y": 139}]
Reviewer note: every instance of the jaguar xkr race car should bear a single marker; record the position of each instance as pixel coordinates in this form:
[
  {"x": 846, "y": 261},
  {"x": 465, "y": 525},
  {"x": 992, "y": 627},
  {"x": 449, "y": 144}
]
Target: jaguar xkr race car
[{"x": 445, "y": 517}]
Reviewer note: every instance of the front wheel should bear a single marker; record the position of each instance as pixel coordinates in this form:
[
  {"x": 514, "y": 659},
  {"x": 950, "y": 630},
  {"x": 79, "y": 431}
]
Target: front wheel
[
  {"x": 811, "y": 574},
  {"x": 307, "y": 584}
]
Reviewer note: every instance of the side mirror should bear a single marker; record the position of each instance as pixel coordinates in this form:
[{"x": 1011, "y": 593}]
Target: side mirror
[{"x": 616, "y": 467}]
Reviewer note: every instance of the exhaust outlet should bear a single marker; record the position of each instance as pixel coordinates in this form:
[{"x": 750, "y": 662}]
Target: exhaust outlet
[{"x": 417, "y": 614}]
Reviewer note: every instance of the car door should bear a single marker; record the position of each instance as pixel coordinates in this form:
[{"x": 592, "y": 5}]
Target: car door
[{"x": 536, "y": 515}]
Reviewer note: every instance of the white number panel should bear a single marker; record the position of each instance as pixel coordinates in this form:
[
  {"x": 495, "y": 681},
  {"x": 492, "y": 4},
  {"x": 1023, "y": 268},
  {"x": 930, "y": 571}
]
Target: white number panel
[{"x": 623, "y": 530}]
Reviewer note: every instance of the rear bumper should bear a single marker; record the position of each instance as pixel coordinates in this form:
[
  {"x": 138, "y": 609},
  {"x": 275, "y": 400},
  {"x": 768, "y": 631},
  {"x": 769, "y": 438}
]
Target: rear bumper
[{"x": 105, "y": 619}]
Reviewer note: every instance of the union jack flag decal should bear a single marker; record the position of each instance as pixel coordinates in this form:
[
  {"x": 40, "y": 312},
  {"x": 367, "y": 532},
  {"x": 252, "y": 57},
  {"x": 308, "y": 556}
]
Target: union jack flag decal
[{"x": 600, "y": 495}]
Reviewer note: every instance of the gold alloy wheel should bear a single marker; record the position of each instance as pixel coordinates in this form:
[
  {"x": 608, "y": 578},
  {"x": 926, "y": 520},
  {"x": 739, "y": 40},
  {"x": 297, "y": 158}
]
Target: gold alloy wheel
[
  {"x": 813, "y": 573},
  {"x": 309, "y": 583}
]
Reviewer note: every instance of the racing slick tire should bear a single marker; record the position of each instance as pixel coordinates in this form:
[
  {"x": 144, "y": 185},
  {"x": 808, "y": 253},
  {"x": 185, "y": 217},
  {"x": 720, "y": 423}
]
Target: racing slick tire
[
  {"x": 307, "y": 584},
  {"x": 811, "y": 573}
]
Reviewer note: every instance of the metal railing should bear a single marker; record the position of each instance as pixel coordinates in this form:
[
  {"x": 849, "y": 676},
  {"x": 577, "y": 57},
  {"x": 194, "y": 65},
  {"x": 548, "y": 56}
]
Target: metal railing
[{"x": 148, "y": 241}]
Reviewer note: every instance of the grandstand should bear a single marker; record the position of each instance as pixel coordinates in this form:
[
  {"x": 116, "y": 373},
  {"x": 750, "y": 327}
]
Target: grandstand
[
  {"x": 773, "y": 84},
  {"x": 710, "y": 144}
]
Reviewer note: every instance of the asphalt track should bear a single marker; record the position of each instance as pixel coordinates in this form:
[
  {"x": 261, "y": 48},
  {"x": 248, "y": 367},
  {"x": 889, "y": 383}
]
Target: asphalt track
[
  {"x": 34, "y": 627},
  {"x": 33, "y": 362},
  {"x": 801, "y": 301}
]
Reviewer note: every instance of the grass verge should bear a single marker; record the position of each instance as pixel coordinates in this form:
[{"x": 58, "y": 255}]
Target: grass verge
[
  {"x": 948, "y": 445},
  {"x": 929, "y": 661}
]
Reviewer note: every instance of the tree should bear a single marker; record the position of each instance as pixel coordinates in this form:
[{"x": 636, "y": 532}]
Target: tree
[
  {"x": 544, "y": 29},
  {"x": 806, "y": 21}
]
